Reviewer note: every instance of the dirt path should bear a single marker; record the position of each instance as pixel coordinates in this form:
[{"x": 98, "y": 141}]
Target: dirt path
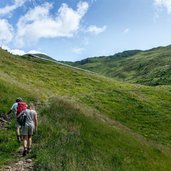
[{"x": 22, "y": 163}]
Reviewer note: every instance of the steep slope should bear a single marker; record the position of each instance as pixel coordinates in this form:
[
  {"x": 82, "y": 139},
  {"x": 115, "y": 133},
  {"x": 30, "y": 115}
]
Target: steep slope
[
  {"x": 151, "y": 67},
  {"x": 69, "y": 126}
]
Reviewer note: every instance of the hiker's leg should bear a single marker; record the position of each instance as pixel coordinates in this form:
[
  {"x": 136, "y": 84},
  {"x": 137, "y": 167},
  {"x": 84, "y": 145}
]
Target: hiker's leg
[
  {"x": 18, "y": 132},
  {"x": 24, "y": 133},
  {"x": 25, "y": 144},
  {"x": 25, "y": 141},
  {"x": 30, "y": 133},
  {"x": 29, "y": 141},
  {"x": 17, "y": 125}
]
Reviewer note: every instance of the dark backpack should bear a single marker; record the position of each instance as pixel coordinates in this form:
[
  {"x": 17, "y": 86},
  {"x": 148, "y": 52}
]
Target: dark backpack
[{"x": 22, "y": 118}]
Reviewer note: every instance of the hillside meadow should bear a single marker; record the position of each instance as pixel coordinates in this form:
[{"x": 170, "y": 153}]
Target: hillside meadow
[
  {"x": 91, "y": 123},
  {"x": 150, "y": 67}
]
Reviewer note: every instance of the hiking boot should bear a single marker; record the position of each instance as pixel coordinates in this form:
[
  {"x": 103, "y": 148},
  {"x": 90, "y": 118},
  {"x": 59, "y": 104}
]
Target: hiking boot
[{"x": 24, "y": 152}]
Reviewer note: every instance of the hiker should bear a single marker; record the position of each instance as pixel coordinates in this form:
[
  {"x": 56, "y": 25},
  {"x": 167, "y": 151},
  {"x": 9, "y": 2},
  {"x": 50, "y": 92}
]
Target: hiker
[
  {"x": 29, "y": 127},
  {"x": 17, "y": 108}
]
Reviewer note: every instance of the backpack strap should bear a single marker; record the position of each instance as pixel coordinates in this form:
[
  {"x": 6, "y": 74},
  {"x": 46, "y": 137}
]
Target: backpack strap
[{"x": 21, "y": 113}]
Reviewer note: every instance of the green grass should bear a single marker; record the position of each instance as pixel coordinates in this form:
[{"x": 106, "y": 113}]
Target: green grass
[
  {"x": 151, "y": 67},
  {"x": 8, "y": 143},
  {"x": 79, "y": 142},
  {"x": 142, "y": 110},
  {"x": 9, "y": 93}
]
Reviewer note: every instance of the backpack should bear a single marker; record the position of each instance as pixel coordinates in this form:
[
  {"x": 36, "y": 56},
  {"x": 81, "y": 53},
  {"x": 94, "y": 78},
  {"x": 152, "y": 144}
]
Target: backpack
[
  {"x": 21, "y": 115},
  {"x": 22, "y": 119},
  {"x": 21, "y": 107}
]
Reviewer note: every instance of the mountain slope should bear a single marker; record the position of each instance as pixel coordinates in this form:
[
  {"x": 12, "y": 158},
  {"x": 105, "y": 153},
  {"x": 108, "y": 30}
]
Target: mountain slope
[
  {"x": 150, "y": 67},
  {"x": 83, "y": 141},
  {"x": 80, "y": 142}
]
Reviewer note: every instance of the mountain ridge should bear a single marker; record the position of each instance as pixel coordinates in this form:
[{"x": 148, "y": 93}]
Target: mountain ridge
[{"x": 149, "y": 67}]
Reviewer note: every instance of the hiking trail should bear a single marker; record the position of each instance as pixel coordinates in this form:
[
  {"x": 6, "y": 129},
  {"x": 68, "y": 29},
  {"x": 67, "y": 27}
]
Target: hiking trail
[{"x": 21, "y": 163}]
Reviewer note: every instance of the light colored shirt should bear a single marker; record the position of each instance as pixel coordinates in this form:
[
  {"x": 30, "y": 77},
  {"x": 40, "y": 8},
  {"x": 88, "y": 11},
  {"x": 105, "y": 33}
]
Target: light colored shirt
[
  {"x": 31, "y": 114},
  {"x": 14, "y": 108}
]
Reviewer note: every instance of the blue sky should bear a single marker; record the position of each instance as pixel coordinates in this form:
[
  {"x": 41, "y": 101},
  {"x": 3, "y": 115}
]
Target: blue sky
[{"x": 72, "y": 30}]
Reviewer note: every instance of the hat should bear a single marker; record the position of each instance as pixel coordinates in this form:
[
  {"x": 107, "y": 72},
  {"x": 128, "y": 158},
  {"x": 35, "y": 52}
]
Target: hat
[{"x": 19, "y": 99}]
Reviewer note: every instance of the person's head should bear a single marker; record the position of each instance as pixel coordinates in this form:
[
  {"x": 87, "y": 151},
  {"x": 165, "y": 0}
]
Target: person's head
[
  {"x": 31, "y": 106},
  {"x": 19, "y": 99}
]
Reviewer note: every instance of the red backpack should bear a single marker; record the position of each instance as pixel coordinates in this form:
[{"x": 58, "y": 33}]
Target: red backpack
[{"x": 21, "y": 106}]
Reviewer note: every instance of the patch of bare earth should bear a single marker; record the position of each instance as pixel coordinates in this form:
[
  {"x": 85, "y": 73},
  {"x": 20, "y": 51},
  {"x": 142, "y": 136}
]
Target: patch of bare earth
[{"x": 21, "y": 164}]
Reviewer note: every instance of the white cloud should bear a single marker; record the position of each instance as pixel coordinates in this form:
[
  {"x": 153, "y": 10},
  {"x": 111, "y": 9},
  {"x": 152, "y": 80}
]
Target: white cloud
[
  {"x": 6, "y": 32},
  {"x": 164, "y": 3},
  {"x": 77, "y": 50},
  {"x": 35, "y": 52},
  {"x": 21, "y": 52},
  {"x": 96, "y": 30},
  {"x": 38, "y": 23},
  {"x": 17, "y": 52},
  {"x": 9, "y": 8},
  {"x": 14, "y": 51}
]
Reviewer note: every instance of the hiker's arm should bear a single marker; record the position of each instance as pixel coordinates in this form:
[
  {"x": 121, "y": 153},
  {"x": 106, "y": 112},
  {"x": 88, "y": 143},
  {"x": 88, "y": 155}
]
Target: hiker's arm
[
  {"x": 12, "y": 108},
  {"x": 9, "y": 112},
  {"x": 7, "y": 115}
]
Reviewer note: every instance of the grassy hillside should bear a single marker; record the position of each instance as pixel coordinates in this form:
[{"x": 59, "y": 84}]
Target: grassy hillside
[
  {"x": 77, "y": 140},
  {"x": 151, "y": 67},
  {"x": 94, "y": 125}
]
